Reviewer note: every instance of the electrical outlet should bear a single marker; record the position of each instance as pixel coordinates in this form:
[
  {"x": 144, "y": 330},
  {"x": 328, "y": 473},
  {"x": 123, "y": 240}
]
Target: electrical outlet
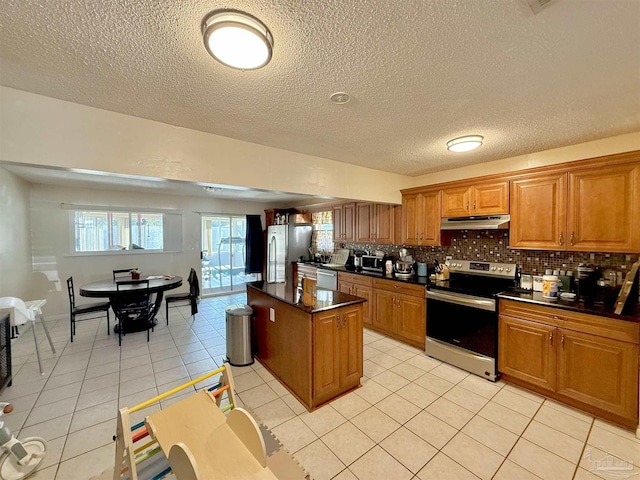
[
  {"x": 272, "y": 314},
  {"x": 592, "y": 256}
]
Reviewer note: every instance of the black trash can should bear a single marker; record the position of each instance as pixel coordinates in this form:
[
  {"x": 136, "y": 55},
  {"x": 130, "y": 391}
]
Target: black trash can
[{"x": 238, "y": 318}]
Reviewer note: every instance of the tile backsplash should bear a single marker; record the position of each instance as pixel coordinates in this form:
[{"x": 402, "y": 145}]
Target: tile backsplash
[{"x": 493, "y": 246}]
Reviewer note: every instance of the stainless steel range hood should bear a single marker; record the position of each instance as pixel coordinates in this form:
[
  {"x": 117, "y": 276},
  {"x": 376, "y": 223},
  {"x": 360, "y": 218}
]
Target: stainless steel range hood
[{"x": 487, "y": 222}]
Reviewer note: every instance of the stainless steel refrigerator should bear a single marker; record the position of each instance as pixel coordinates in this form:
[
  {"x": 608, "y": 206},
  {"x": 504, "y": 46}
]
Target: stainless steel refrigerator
[{"x": 286, "y": 244}]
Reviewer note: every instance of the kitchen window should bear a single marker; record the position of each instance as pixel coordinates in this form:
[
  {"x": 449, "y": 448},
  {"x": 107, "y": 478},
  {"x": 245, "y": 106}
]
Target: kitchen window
[{"x": 322, "y": 237}]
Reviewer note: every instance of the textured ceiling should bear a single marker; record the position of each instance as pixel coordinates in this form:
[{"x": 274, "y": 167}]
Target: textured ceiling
[{"x": 419, "y": 72}]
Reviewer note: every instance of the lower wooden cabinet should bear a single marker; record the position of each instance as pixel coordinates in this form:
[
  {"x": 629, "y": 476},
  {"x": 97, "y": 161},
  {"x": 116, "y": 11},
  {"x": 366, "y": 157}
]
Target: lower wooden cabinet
[
  {"x": 527, "y": 351},
  {"x": 360, "y": 286},
  {"x": 598, "y": 371},
  {"x": 337, "y": 352},
  {"x": 586, "y": 361},
  {"x": 399, "y": 310}
]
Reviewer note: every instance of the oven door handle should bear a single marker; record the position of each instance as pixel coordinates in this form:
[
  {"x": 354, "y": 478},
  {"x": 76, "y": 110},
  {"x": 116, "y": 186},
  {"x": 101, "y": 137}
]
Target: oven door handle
[{"x": 474, "y": 302}]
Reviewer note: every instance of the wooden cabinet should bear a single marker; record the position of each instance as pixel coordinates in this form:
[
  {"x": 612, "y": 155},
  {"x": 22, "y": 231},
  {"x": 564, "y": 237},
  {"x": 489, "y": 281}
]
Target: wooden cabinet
[
  {"x": 344, "y": 222},
  {"x": 587, "y": 361},
  {"x": 399, "y": 310},
  {"x": 337, "y": 353},
  {"x": 481, "y": 199},
  {"x": 527, "y": 351},
  {"x": 596, "y": 371},
  {"x": 603, "y": 209},
  {"x": 589, "y": 208},
  {"x": 374, "y": 223},
  {"x": 421, "y": 218},
  {"x": 317, "y": 356},
  {"x": 538, "y": 212},
  {"x": 360, "y": 286}
]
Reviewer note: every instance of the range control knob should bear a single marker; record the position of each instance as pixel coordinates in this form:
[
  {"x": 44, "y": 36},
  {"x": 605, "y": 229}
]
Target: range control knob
[
  {"x": 500, "y": 269},
  {"x": 493, "y": 269},
  {"x": 508, "y": 270}
]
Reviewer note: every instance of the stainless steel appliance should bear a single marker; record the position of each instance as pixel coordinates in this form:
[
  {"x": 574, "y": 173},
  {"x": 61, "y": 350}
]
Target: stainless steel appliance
[
  {"x": 372, "y": 263},
  {"x": 462, "y": 315},
  {"x": 286, "y": 244},
  {"x": 487, "y": 222},
  {"x": 327, "y": 279}
]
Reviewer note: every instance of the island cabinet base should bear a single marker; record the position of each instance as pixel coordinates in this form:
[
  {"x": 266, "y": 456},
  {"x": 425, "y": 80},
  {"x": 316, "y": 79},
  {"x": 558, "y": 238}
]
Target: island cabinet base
[{"x": 317, "y": 356}]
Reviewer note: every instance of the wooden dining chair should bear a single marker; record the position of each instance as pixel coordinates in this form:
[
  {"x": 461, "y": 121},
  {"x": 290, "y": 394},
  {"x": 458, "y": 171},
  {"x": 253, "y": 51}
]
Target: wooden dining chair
[
  {"x": 122, "y": 273},
  {"x": 133, "y": 306},
  {"x": 75, "y": 310},
  {"x": 191, "y": 296}
]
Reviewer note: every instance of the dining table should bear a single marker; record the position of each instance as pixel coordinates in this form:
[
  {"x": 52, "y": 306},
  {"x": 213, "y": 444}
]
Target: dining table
[{"x": 108, "y": 288}]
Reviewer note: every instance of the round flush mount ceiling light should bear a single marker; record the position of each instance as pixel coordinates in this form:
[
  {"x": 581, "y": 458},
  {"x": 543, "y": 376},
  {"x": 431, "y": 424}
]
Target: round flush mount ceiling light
[
  {"x": 237, "y": 39},
  {"x": 465, "y": 144}
]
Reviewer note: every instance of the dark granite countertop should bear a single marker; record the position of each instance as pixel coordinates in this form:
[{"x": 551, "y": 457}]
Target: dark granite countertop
[
  {"x": 601, "y": 309},
  {"x": 325, "y": 299},
  {"x": 413, "y": 279}
]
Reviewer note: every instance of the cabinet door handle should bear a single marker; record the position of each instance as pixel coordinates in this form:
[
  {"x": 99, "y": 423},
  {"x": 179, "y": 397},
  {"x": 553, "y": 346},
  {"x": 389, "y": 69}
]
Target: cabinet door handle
[
  {"x": 421, "y": 235},
  {"x": 573, "y": 237},
  {"x": 474, "y": 205},
  {"x": 467, "y": 209},
  {"x": 562, "y": 341},
  {"x": 344, "y": 320},
  {"x": 561, "y": 239},
  {"x": 337, "y": 321},
  {"x": 550, "y": 339}
]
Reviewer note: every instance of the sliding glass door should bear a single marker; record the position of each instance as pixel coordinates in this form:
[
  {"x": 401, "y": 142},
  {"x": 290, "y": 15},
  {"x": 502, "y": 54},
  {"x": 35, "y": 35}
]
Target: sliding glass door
[{"x": 224, "y": 254}]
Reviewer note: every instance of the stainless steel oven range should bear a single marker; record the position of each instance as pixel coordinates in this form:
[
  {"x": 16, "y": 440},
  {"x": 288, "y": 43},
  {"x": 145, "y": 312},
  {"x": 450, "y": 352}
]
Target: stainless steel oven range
[{"x": 462, "y": 315}]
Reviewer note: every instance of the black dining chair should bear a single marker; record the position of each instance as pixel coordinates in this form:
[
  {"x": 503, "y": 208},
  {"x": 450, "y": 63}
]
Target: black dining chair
[
  {"x": 122, "y": 273},
  {"x": 83, "y": 309},
  {"x": 136, "y": 306},
  {"x": 191, "y": 297}
]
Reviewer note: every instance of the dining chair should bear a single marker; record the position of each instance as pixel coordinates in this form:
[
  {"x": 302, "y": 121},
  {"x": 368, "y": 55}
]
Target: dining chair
[
  {"x": 83, "y": 309},
  {"x": 134, "y": 306},
  {"x": 192, "y": 296},
  {"x": 22, "y": 312},
  {"x": 122, "y": 273}
]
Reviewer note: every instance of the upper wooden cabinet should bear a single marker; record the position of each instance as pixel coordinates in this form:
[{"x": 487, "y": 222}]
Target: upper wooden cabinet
[
  {"x": 481, "y": 199},
  {"x": 538, "y": 211},
  {"x": 591, "y": 208},
  {"x": 604, "y": 211},
  {"x": 374, "y": 223},
  {"x": 421, "y": 218},
  {"x": 344, "y": 222}
]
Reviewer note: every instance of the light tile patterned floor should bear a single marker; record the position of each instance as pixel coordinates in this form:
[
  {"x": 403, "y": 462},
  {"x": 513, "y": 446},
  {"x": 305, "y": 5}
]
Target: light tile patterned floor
[{"x": 413, "y": 418}]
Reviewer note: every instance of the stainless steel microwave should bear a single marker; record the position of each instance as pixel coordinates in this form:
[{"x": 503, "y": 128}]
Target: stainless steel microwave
[{"x": 372, "y": 263}]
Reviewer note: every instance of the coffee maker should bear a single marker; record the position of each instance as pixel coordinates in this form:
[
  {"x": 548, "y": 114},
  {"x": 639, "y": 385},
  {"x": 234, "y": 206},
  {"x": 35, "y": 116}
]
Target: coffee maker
[{"x": 585, "y": 281}]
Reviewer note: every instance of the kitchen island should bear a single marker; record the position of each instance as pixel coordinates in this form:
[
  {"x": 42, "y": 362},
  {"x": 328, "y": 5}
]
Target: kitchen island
[{"x": 314, "y": 350}]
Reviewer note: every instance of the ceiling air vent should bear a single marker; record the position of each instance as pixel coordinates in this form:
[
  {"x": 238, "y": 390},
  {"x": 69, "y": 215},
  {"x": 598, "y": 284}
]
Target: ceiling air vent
[{"x": 537, "y": 6}]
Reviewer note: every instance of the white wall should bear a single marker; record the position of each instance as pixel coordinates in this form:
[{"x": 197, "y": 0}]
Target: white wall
[
  {"x": 51, "y": 238},
  {"x": 15, "y": 241},
  {"x": 40, "y": 130}
]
